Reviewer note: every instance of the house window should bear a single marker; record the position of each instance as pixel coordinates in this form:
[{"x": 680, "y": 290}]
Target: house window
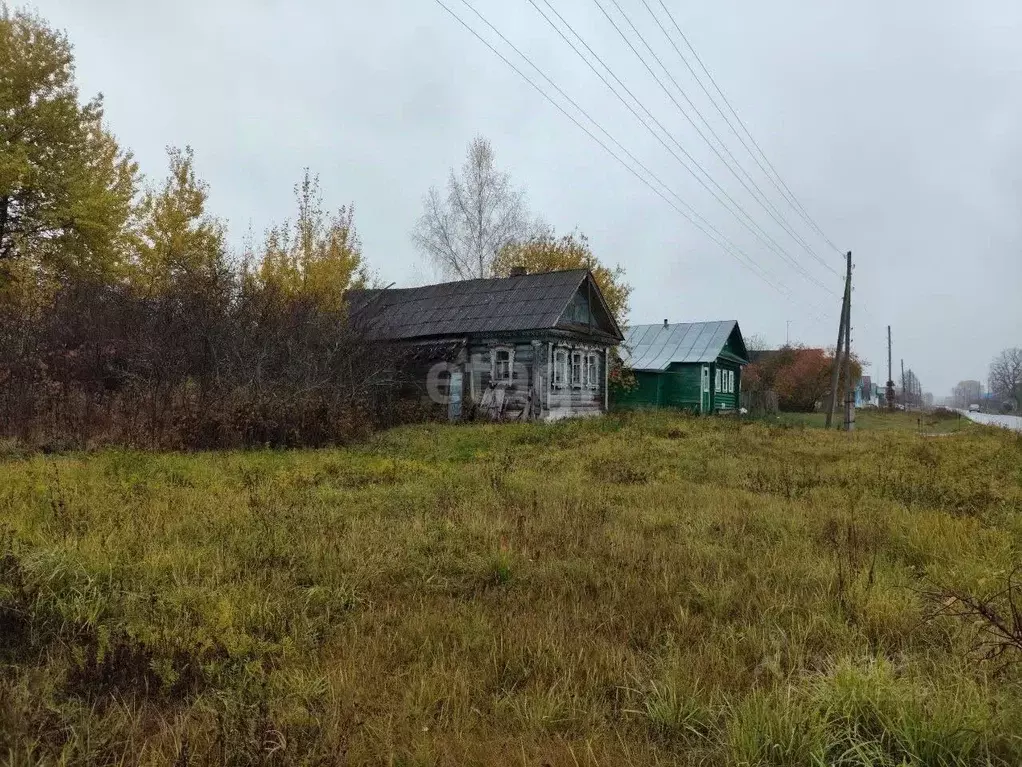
[
  {"x": 576, "y": 369},
  {"x": 502, "y": 363},
  {"x": 731, "y": 381},
  {"x": 592, "y": 370},
  {"x": 560, "y": 373},
  {"x": 718, "y": 382}
]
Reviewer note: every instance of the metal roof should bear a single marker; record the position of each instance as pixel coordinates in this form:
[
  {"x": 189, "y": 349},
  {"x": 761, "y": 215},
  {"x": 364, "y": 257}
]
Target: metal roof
[
  {"x": 655, "y": 347},
  {"x": 526, "y": 302}
]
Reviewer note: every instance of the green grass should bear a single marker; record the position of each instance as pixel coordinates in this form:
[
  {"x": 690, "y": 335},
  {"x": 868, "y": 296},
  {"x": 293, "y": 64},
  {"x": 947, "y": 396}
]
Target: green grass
[
  {"x": 879, "y": 420},
  {"x": 641, "y": 589}
]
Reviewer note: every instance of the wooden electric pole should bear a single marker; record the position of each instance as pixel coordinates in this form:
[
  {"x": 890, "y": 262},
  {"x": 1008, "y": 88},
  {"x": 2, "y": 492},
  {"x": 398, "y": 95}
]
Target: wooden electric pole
[
  {"x": 835, "y": 375},
  {"x": 849, "y": 383},
  {"x": 836, "y": 372},
  {"x": 904, "y": 399},
  {"x": 890, "y": 373}
]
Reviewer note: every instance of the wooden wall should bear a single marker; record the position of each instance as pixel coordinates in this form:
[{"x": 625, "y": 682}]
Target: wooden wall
[
  {"x": 726, "y": 400},
  {"x": 530, "y": 394}
]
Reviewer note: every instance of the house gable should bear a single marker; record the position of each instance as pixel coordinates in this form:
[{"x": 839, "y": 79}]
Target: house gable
[
  {"x": 734, "y": 348},
  {"x": 587, "y": 311}
]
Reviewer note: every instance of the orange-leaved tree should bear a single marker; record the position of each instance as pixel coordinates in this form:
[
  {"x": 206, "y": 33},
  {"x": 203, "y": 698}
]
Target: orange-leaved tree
[{"x": 799, "y": 375}]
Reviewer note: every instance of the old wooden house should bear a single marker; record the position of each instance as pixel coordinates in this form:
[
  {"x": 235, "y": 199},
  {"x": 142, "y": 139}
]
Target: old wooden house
[
  {"x": 696, "y": 366},
  {"x": 528, "y": 346}
]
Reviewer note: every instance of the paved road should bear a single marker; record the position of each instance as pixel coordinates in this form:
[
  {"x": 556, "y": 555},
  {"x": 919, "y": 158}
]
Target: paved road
[{"x": 1012, "y": 422}]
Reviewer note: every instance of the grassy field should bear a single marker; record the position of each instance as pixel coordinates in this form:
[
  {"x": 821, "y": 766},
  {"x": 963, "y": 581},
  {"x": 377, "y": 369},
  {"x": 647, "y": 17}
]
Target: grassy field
[
  {"x": 879, "y": 420},
  {"x": 643, "y": 589}
]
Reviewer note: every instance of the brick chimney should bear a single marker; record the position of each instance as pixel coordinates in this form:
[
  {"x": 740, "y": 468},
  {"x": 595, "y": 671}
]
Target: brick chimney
[{"x": 665, "y": 324}]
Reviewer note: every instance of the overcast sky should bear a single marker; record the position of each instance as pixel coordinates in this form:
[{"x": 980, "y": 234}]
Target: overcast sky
[{"x": 898, "y": 125}]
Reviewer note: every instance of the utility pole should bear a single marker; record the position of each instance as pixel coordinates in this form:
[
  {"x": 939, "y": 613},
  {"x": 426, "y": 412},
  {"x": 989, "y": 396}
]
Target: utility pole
[
  {"x": 904, "y": 399},
  {"x": 890, "y": 374},
  {"x": 835, "y": 375},
  {"x": 787, "y": 333},
  {"x": 849, "y": 384}
]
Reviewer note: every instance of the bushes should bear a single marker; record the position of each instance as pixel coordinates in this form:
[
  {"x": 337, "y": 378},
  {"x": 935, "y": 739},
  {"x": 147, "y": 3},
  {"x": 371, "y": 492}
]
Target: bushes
[{"x": 212, "y": 365}]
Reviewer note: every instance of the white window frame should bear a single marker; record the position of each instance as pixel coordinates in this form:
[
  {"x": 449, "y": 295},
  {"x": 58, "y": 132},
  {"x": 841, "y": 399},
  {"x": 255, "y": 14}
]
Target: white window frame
[
  {"x": 592, "y": 370},
  {"x": 719, "y": 382},
  {"x": 731, "y": 381},
  {"x": 560, "y": 374},
  {"x": 495, "y": 351},
  {"x": 576, "y": 369}
]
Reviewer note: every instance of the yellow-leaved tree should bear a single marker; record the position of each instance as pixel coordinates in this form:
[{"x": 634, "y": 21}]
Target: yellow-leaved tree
[
  {"x": 318, "y": 257},
  {"x": 548, "y": 253},
  {"x": 66, "y": 187},
  {"x": 177, "y": 244}
]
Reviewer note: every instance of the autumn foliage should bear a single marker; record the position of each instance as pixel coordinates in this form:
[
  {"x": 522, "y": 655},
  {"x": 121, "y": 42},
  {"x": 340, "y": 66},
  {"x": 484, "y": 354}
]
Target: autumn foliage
[
  {"x": 799, "y": 375},
  {"x": 124, "y": 316},
  {"x": 549, "y": 253}
]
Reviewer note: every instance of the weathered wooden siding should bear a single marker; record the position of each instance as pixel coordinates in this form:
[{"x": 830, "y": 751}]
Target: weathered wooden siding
[
  {"x": 520, "y": 394},
  {"x": 531, "y": 393},
  {"x": 572, "y": 400}
]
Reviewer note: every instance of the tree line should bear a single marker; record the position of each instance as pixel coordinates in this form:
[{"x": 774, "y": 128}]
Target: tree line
[
  {"x": 1004, "y": 384},
  {"x": 1005, "y": 379},
  {"x": 126, "y": 317}
]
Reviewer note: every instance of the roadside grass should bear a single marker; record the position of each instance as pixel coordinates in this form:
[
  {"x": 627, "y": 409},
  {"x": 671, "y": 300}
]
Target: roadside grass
[
  {"x": 880, "y": 420},
  {"x": 640, "y": 589}
]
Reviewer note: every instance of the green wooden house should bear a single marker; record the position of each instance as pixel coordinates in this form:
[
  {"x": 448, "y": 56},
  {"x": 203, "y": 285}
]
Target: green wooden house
[{"x": 696, "y": 366}]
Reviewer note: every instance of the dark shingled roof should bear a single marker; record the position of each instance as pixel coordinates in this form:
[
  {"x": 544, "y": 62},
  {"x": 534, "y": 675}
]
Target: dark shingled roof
[{"x": 526, "y": 302}]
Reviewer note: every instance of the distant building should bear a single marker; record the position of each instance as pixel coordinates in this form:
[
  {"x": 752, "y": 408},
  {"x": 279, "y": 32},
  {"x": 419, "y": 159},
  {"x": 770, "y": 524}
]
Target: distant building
[
  {"x": 967, "y": 393},
  {"x": 865, "y": 392}
]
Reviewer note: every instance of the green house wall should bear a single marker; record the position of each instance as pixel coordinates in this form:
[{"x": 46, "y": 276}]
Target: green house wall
[
  {"x": 645, "y": 394},
  {"x": 682, "y": 386},
  {"x": 725, "y": 400},
  {"x": 679, "y": 387}
]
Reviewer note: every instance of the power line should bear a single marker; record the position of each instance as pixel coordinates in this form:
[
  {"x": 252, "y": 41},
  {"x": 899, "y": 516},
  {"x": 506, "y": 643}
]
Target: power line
[
  {"x": 772, "y": 210},
  {"x": 702, "y": 223},
  {"x": 710, "y": 231},
  {"x": 735, "y": 208},
  {"x": 685, "y": 114},
  {"x": 772, "y": 175},
  {"x": 775, "y": 177}
]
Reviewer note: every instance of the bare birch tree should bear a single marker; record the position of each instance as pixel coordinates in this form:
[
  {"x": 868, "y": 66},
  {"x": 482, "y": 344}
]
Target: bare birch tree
[
  {"x": 461, "y": 231},
  {"x": 1006, "y": 376}
]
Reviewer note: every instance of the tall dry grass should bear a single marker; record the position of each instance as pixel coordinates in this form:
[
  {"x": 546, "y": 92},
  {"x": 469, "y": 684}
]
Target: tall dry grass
[{"x": 645, "y": 589}]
